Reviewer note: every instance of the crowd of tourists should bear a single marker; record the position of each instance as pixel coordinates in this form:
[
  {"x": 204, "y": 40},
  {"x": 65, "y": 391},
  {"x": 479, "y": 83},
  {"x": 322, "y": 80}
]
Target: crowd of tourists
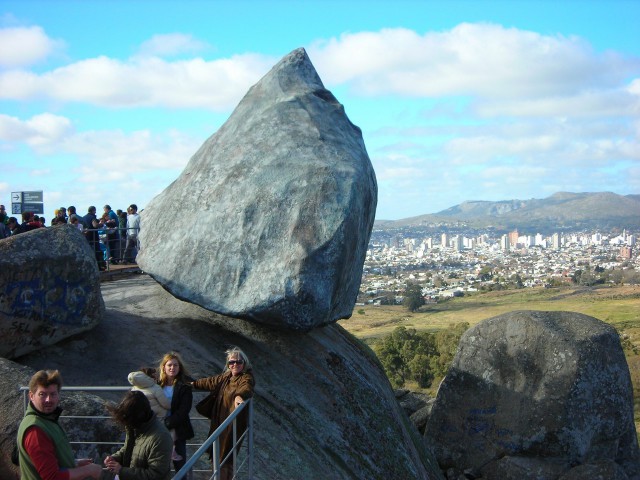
[{"x": 113, "y": 235}]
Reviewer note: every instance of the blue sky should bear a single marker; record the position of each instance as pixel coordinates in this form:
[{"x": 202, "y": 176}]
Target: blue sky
[{"x": 105, "y": 102}]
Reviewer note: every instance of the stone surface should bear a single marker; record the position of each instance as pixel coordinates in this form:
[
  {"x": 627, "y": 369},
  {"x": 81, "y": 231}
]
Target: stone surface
[
  {"x": 271, "y": 218},
  {"x": 416, "y": 405},
  {"x": 12, "y": 377},
  {"x": 529, "y": 391},
  {"x": 323, "y": 409},
  {"x": 49, "y": 289},
  {"x": 600, "y": 471}
]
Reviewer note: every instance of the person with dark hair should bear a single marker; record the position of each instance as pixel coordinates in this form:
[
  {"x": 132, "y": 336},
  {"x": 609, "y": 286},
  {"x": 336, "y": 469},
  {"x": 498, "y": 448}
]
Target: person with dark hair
[
  {"x": 174, "y": 379},
  {"x": 29, "y": 222},
  {"x": 44, "y": 451},
  {"x": 133, "y": 228},
  {"x": 4, "y": 219},
  {"x": 122, "y": 230},
  {"x": 146, "y": 453},
  {"x": 229, "y": 389},
  {"x": 14, "y": 227},
  {"x": 91, "y": 225},
  {"x": 145, "y": 380}
]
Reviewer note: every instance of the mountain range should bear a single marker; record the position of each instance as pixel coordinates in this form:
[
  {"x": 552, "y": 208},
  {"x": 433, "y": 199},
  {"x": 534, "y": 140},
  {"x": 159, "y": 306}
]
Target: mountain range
[{"x": 561, "y": 211}]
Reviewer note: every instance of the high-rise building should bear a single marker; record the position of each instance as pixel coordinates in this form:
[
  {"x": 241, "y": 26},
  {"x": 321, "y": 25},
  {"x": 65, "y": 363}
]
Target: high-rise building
[
  {"x": 513, "y": 238},
  {"x": 626, "y": 252},
  {"x": 444, "y": 240},
  {"x": 458, "y": 243},
  {"x": 556, "y": 241},
  {"x": 505, "y": 244}
]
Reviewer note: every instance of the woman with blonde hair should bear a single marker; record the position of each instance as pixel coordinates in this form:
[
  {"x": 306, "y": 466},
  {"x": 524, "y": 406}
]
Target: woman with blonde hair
[
  {"x": 230, "y": 388},
  {"x": 174, "y": 380}
]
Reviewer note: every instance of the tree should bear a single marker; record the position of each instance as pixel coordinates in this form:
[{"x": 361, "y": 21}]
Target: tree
[
  {"x": 413, "y": 298},
  {"x": 406, "y": 355},
  {"x": 447, "y": 344}
]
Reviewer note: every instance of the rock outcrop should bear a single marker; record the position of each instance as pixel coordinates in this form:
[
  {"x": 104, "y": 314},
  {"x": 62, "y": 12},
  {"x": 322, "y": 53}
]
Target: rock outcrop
[
  {"x": 323, "y": 407},
  {"x": 535, "y": 395},
  {"x": 271, "y": 218},
  {"x": 49, "y": 289},
  {"x": 417, "y": 406}
]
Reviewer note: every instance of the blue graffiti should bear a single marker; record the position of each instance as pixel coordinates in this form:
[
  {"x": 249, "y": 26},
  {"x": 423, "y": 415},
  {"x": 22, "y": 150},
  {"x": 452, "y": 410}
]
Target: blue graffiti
[{"x": 59, "y": 302}]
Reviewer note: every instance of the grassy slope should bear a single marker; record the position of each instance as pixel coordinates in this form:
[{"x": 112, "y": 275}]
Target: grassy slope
[{"x": 619, "y": 306}]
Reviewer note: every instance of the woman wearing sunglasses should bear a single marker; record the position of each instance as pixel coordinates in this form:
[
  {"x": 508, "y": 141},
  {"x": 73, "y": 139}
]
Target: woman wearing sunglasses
[{"x": 228, "y": 390}]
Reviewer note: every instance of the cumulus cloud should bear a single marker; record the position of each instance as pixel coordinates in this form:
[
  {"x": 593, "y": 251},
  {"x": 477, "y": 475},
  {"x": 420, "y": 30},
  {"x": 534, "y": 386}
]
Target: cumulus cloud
[
  {"x": 171, "y": 44},
  {"x": 507, "y": 68},
  {"x": 39, "y": 131},
  {"x": 24, "y": 46},
  {"x": 471, "y": 59},
  {"x": 142, "y": 82}
]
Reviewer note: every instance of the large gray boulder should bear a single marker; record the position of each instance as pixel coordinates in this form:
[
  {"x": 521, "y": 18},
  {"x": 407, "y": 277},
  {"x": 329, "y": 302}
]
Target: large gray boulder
[
  {"x": 534, "y": 394},
  {"x": 271, "y": 218},
  {"x": 49, "y": 289}
]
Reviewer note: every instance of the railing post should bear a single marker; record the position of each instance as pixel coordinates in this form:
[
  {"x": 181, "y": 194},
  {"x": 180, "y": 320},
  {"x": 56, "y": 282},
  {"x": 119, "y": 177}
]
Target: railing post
[
  {"x": 250, "y": 440},
  {"x": 235, "y": 448},
  {"x": 216, "y": 459}
]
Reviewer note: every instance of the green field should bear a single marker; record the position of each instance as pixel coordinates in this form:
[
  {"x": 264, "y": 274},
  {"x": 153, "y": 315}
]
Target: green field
[{"x": 619, "y": 306}]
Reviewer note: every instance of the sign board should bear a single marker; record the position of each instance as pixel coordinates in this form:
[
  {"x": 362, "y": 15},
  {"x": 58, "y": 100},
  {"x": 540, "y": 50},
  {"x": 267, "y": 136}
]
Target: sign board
[
  {"x": 37, "y": 208},
  {"x": 27, "y": 202},
  {"x": 31, "y": 197}
]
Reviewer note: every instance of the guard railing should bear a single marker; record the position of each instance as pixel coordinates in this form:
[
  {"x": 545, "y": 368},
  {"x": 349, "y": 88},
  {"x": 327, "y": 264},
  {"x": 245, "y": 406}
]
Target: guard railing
[
  {"x": 109, "y": 245},
  {"x": 190, "y": 467}
]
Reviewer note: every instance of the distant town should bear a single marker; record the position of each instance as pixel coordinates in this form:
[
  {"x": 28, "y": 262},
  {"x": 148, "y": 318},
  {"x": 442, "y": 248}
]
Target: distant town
[{"x": 446, "y": 264}]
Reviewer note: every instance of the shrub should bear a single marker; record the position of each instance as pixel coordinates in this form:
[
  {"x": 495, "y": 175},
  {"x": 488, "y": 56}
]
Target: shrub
[{"x": 420, "y": 357}]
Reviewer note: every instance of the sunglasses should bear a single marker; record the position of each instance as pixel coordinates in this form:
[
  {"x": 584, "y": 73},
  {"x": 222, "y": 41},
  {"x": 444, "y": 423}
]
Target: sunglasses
[{"x": 233, "y": 362}]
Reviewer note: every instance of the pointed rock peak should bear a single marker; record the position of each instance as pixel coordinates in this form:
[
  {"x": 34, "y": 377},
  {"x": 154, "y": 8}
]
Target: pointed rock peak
[{"x": 292, "y": 76}]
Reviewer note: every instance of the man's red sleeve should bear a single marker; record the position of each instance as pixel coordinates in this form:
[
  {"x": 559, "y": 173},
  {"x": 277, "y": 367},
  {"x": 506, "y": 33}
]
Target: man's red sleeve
[{"x": 43, "y": 454}]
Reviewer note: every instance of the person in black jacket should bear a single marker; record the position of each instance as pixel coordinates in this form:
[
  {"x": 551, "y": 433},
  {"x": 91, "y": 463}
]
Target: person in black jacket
[{"x": 174, "y": 380}]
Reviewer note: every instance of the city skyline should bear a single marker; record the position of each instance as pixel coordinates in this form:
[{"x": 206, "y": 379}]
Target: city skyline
[{"x": 105, "y": 102}]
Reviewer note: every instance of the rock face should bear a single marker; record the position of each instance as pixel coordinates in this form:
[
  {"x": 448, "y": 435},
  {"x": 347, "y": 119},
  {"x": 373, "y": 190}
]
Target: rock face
[
  {"x": 49, "y": 289},
  {"x": 323, "y": 407},
  {"x": 417, "y": 406},
  {"x": 271, "y": 218},
  {"x": 533, "y": 394}
]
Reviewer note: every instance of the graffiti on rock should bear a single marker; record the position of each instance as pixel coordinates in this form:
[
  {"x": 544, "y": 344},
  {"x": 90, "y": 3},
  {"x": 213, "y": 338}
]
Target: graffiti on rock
[{"x": 58, "y": 302}]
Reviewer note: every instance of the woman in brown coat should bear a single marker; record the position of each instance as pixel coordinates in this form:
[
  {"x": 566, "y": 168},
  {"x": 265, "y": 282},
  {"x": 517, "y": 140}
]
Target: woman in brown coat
[{"x": 232, "y": 387}]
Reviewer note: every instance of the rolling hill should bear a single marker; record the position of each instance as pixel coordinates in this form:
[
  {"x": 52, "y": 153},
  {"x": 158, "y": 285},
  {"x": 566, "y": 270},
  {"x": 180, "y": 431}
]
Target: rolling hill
[{"x": 560, "y": 211}]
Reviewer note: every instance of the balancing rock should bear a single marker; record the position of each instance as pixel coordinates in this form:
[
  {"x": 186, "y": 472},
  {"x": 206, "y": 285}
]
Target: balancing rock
[{"x": 271, "y": 218}]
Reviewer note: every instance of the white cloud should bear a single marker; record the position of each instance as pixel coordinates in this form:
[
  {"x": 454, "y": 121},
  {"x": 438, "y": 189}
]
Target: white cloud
[
  {"x": 39, "y": 131},
  {"x": 471, "y": 59},
  {"x": 589, "y": 103},
  {"x": 23, "y": 46},
  {"x": 171, "y": 44},
  {"x": 142, "y": 82}
]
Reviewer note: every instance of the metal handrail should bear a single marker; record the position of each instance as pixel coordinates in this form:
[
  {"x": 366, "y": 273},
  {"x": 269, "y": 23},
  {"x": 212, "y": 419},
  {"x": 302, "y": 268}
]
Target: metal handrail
[
  {"x": 204, "y": 447},
  {"x": 213, "y": 440}
]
